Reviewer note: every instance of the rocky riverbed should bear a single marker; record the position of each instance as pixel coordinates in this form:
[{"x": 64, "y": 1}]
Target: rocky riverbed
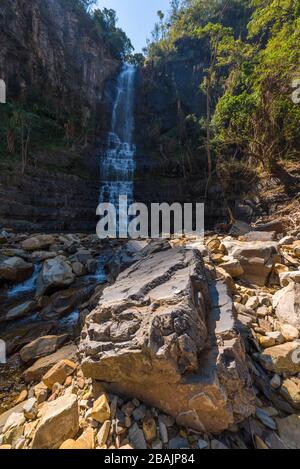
[{"x": 151, "y": 344}]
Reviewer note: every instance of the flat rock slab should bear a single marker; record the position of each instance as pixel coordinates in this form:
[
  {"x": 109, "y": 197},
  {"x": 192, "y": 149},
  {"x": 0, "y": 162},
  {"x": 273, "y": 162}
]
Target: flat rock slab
[{"x": 165, "y": 333}]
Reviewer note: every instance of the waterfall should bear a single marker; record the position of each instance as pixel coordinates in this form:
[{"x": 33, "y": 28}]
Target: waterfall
[{"x": 118, "y": 162}]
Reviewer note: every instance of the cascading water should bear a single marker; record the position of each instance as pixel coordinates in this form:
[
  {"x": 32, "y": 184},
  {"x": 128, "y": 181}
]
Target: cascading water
[{"x": 118, "y": 162}]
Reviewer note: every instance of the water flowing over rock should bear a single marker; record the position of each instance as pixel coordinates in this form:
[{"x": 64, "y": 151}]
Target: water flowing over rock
[
  {"x": 15, "y": 269},
  {"x": 56, "y": 272},
  {"x": 165, "y": 333},
  {"x": 118, "y": 164}
]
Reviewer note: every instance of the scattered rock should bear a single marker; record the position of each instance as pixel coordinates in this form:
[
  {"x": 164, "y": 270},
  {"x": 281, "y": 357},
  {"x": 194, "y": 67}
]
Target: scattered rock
[
  {"x": 286, "y": 278},
  {"x": 290, "y": 390},
  {"x": 136, "y": 437},
  {"x": 59, "y": 373},
  {"x": 103, "y": 433},
  {"x": 286, "y": 303},
  {"x": 216, "y": 444},
  {"x": 178, "y": 443},
  {"x": 290, "y": 333},
  {"x": 41, "y": 366},
  {"x": 265, "y": 419},
  {"x": 289, "y": 431},
  {"x": 257, "y": 258},
  {"x": 30, "y": 409},
  {"x": 15, "y": 269},
  {"x": 282, "y": 358},
  {"x": 38, "y": 243},
  {"x": 101, "y": 409}
]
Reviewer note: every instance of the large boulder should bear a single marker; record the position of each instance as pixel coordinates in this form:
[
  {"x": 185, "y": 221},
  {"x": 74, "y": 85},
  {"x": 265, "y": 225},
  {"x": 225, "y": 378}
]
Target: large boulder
[
  {"x": 56, "y": 273},
  {"x": 38, "y": 243},
  {"x": 60, "y": 422},
  {"x": 161, "y": 333},
  {"x": 286, "y": 303},
  {"x": 257, "y": 259},
  {"x": 15, "y": 269}
]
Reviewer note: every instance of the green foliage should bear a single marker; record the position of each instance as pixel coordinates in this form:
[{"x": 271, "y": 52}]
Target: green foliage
[
  {"x": 105, "y": 21},
  {"x": 251, "y": 52}
]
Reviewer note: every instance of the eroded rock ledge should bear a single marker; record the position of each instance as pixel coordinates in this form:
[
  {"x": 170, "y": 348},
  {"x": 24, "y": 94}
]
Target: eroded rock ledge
[{"x": 165, "y": 333}]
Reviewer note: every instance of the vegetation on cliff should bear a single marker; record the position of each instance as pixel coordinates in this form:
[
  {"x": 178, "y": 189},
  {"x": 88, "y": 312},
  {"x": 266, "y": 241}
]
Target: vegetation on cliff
[
  {"x": 55, "y": 92},
  {"x": 249, "y": 55}
]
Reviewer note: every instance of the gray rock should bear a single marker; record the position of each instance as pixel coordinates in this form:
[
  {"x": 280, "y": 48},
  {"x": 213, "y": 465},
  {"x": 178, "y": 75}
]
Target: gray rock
[
  {"x": 145, "y": 338},
  {"x": 137, "y": 438},
  {"x": 15, "y": 269},
  {"x": 265, "y": 419},
  {"x": 178, "y": 443}
]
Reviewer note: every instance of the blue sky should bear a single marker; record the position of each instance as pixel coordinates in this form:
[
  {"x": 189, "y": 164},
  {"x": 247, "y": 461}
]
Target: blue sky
[{"x": 136, "y": 17}]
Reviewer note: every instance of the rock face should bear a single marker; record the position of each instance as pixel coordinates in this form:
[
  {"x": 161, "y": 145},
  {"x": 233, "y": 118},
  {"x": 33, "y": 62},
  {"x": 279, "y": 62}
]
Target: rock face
[
  {"x": 50, "y": 50},
  {"x": 286, "y": 303},
  {"x": 164, "y": 334},
  {"x": 257, "y": 258},
  {"x": 54, "y": 36}
]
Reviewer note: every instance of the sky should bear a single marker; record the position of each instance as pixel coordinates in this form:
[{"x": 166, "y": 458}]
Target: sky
[{"x": 136, "y": 17}]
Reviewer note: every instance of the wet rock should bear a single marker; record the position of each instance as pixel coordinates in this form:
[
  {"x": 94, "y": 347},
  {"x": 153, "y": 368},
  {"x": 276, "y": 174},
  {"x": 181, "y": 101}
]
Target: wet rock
[
  {"x": 15, "y": 269},
  {"x": 56, "y": 273},
  {"x": 79, "y": 269},
  {"x": 38, "y": 243},
  {"x": 58, "y": 423},
  {"x": 20, "y": 311}
]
